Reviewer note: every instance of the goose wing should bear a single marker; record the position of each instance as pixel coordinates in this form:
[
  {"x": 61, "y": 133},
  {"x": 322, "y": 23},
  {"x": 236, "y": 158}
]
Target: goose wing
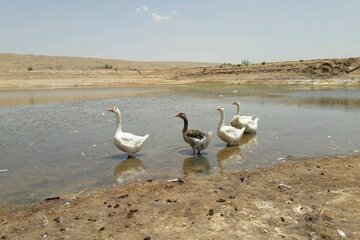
[
  {"x": 196, "y": 134},
  {"x": 231, "y": 131}
]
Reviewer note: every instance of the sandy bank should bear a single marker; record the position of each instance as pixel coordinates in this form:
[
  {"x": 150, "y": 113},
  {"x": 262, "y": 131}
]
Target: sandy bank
[{"x": 309, "y": 199}]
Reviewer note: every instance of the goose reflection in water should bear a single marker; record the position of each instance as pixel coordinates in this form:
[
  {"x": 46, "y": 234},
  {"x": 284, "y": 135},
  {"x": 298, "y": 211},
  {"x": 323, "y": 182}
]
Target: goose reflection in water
[
  {"x": 198, "y": 165},
  {"x": 248, "y": 140},
  {"x": 229, "y": 156},
  {"x": 129, "y": 169}
]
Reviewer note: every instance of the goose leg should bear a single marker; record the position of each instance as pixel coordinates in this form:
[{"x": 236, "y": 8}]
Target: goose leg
[
  {"x": 199, "y": 152},
  {"x": 193, "y": 151}
]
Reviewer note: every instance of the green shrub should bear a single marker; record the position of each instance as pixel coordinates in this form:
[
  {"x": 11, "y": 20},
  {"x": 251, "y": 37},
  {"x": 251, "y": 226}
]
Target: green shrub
[
  {"x": 263, "y": 63},
  {"x": 108, "y": 66},
  {"x": 301, "y": 60},
  {"x": 29, "y": 68}
]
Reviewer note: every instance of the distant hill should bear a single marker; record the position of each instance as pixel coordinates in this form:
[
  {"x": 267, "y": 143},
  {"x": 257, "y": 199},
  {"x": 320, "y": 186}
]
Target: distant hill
[
  {"x": 40, "y": 62},
  {"x": 32, "y": 71}
]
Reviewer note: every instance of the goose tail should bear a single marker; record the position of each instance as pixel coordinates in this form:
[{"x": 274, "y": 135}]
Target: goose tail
[{"x": 146, "y": 136}]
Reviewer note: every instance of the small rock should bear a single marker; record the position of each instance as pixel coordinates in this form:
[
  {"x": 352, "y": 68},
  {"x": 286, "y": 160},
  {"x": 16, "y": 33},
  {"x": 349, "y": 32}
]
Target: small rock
[
  {"x": 283, "y": 187},
  {"x": 221, "y": 200},
  {"x": 173, "y": 180},
  {"x": 124, "y": 196},
  {"x": 117, "y": 205},
  {"x": 57, "y": 219},
  {"x": 131, "y": 213},
  {"x": 147, "y": 238},
  {"x": 52, "y": 198},
  {"x": 101, "y": 228},
  {"x": 341, "y": 233},
  {"x": 211, "y": 212}
]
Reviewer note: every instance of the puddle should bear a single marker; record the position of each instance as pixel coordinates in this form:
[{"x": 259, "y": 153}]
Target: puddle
[{"x": 56, "y": 145}]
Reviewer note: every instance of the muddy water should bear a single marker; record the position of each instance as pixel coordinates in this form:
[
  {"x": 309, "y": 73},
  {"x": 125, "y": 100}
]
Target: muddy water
[{"x": 61, "y": 141}]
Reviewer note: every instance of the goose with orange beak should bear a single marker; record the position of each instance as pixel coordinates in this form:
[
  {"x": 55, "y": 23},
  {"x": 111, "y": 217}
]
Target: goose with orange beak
[{"x": 126, "y": 142}]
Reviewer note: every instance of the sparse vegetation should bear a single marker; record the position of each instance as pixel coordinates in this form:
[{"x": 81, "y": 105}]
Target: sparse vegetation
[
  {"x": 226, "y": 64},
  {"x": 108, "y": 66},
  {"x": 245, "y": 62},
  {"x": 238, "y": 65},
  {"x": 263, "y": 63},
  {"x": 29, "y": 68},
  {"x": 301, "y": 60}
]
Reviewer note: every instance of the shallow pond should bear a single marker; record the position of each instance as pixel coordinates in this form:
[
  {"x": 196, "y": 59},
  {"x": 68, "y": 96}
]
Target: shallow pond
[{"x": 59, "y": 141}]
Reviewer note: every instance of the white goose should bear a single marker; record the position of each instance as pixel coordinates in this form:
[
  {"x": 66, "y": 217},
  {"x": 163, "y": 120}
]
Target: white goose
[
  {"x": 228, "y": 134},
  {"x": 249, "y": 122},
  {"x": 126, "y": 142}
]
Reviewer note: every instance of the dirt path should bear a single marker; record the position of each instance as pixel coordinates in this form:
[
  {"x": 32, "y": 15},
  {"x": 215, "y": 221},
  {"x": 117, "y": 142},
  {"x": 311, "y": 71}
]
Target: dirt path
[{"x": 312, "y": 199}]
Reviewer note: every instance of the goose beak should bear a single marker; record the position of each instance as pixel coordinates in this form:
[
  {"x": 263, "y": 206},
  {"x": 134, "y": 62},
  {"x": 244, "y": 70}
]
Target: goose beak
[
  {"x": 218, "y": 108},
  {"x": 177, "y": 115},
  {"x": 110, "y": 109}
]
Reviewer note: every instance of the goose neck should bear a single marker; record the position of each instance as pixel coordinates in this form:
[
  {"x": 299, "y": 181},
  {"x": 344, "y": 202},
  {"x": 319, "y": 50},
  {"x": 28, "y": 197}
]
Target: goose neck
[
  {"x": 186, "y": 123},
  {"x": 222, "y": 119},
  {"x": 118, "y": 122},
  {"x": 237, "y": 109}
]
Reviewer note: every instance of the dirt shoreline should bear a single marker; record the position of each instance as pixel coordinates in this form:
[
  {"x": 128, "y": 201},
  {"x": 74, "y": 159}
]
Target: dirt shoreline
[{"x": 307, "y": 199}]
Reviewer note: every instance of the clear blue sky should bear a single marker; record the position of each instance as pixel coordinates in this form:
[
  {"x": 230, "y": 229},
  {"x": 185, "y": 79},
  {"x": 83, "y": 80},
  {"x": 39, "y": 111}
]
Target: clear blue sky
[{"x": 198, "y": 30}]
